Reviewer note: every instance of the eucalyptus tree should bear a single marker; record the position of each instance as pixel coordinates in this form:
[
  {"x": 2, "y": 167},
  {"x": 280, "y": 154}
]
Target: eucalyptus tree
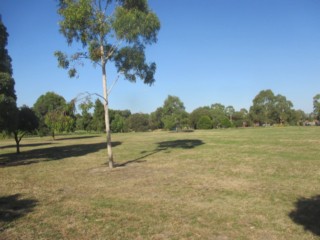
[
  {"x": 282, "y": 109},
  {"x": 174, "y": 115},
  {"x": 110, "y": 31},
  {"x": 229, "y": 111},
  {"x": 262, "y": 107}
]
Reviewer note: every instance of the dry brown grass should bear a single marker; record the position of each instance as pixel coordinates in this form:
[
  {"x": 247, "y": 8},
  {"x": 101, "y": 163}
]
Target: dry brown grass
[{"x": 222, "y": 184}]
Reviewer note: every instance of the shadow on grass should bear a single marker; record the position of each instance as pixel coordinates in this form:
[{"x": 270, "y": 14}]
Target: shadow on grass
[
  {"x": 183, "y": 144},
  {"x": 73, "y": 138},
  {"x": 13, "y": 207},
  {"x": 307, "y": 214},
  {"x": 26, "y": 145},
  {"x": 50, "y": 154},
  {"x": 166, "y": 145}
]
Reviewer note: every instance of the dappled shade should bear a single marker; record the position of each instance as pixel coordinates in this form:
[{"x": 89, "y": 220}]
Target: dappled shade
[
  {"x": 51, "y": 153},
  {"x": 14, "y": 206},
  {"x": 307, "y": 214}
]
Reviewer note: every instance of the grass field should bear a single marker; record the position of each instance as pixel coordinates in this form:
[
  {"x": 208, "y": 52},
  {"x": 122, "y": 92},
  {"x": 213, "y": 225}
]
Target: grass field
[{"x": 258, "y": 183}]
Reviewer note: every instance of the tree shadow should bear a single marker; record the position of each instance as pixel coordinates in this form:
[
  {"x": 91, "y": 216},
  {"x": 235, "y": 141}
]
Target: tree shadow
[
  {"x": 183, "y": 144},
  {"x": 307, "y": 214},
  {"x": 13, "y": 207},
  {"x": 26, "y": 145},
  {"x": 74, "y": 138},
  {"x": 50, "y": 154},
  {"x": 162, "y": 146}
]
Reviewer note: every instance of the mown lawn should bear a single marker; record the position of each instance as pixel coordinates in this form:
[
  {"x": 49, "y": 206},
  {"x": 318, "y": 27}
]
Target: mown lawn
[{"x": 258, "y": 183}]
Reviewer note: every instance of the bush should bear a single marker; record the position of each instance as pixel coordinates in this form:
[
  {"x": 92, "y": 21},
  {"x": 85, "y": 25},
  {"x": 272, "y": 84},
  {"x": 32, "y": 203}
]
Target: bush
[{"x": 204, "y": 122}]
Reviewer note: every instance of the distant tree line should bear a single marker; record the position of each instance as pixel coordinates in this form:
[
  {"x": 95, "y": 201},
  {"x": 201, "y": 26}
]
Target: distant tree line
[{"x": 55, "y": 115}]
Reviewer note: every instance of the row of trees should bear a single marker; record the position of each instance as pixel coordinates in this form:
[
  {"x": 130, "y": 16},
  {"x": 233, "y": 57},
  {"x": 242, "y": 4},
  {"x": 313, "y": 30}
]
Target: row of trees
[{"x": 56, "y": 115}]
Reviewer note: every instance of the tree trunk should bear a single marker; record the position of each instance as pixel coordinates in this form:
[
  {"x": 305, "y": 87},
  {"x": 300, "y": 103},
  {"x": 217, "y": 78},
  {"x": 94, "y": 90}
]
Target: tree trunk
[
  {"x": 16, "y": 138},
  {"x": 106, "y": 109}
]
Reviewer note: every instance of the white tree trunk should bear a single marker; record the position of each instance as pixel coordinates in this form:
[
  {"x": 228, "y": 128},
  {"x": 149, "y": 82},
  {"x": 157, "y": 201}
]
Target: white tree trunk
[{"x": 106, "y": 111}]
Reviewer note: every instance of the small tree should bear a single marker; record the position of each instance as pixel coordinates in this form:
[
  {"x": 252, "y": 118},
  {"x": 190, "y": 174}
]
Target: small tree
[
  {"x": 110, "y": 30},
  {"x": 27, "y": 123},
  {"x": 54, "y": 113}
]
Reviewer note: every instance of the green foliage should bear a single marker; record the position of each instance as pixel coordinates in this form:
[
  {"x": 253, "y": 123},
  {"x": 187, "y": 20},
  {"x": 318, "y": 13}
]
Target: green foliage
[
  {"x": 131, "y": 62},
  {"x": 102, "y": 28},
  {"x": 316, "y": 106},
  {"x": 204, "y": 122},
  {"x": 118, "y": 124},
  {"x": 270, "y": 109},
  {"x": 138, "y": 122},
  {"x": 229, "y": 111},
  {"x": 9, "y": 111},
  {"x": 27, "y": 122},
  {"x": 226, "y": 123},
  {"x": 174, "y": 115},
  {"x": 134, "y": 22},
  {"x": 48, "y": 102},
  {"x": 84, "y": 121},
  {"x": 240, "y": 118},
  {"x": 196, "y": 114},
  {"x": 5, "y": 59},
  {"x": 57, "y": 121},
  {"x": 98, "y": 119},
  {"x": 155, "y": 119},
  {"x": 169, "y": 122},
  {"x": 54, "y": 113}
]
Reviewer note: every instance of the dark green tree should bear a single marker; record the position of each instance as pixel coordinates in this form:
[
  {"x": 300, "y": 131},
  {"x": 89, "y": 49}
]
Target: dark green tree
[
  {"x": 204, "y": 122},
  {"x": 155, "y": 119},
  {"x": 198, "y": 113},
  {"x": 9, "y": 111},
  {"x": 240, "y": 118},
  {"x": 110, "y": 31},
  {"x": 54, "y": 113},
  {"x": 8, "y": 107},
  {"x": 138, "y": 122},
  {"x": 118, "y": 124},
  {"x": 219, "y": 118},
  {"x": 27, "y": 122},
  {"x": 174, "y": 115},
  {"x": 84, "y": 122},
  {"x": 5, "y": 59},
  {"x": 98, "y": 121}
]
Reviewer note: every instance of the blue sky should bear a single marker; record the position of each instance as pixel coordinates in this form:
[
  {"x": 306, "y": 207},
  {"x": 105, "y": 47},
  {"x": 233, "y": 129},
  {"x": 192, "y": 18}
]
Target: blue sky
[{"x": 208, "y": 51}]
